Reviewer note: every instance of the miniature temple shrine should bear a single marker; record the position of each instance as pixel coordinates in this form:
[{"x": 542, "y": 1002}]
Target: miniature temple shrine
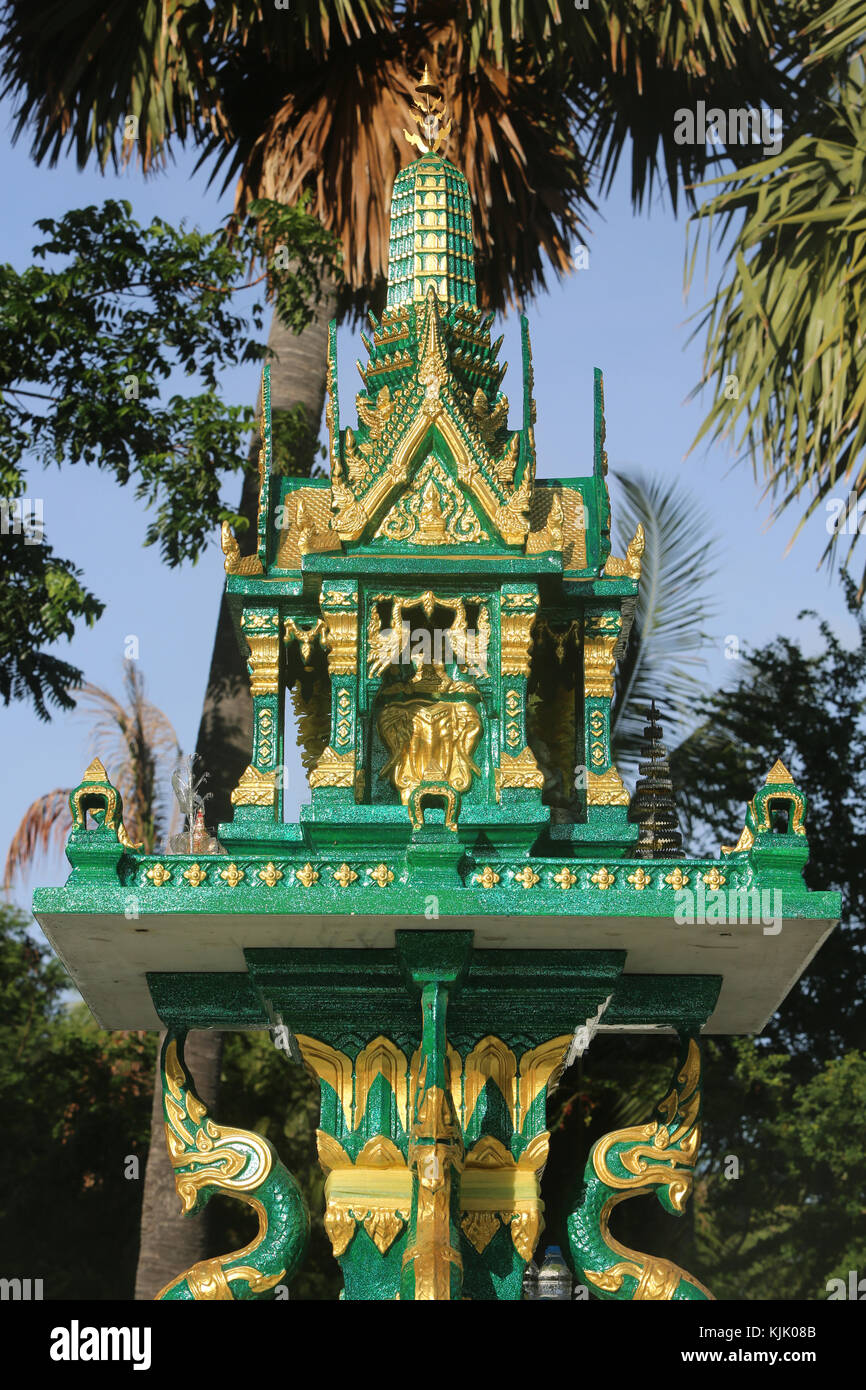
[{"x": 463, "y": 902}]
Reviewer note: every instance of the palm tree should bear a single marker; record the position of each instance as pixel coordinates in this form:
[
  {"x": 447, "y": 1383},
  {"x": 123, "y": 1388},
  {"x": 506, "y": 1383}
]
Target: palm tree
[
  {"x": 137, "y": 743},
  {"x": 785, "y": 350}
]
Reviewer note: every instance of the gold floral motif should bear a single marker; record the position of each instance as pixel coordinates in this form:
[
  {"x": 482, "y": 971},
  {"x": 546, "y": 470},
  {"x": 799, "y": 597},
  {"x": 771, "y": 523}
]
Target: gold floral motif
[
  {"x": 270, "y": 874},
  {"x": 488, "y": 877},
  {"x": 232, "y": 875},
  {"x": 640, "y": 879},
  {"x": 714, "y": 879},
  {"x": 566, "y": 878},
  {"x": 341, "y": 641},
  {"x": 344, "y": 875},
  {"x": 677, "y": 879},
  {"x": 381, "y": 875},
  {"x": 527, "y": 876},
  {"x": 158, "y": 875},
  {"x": 603, "y": 878},
  {"x": 307, "y": 875},
  {"x": 195, "y": 875}
]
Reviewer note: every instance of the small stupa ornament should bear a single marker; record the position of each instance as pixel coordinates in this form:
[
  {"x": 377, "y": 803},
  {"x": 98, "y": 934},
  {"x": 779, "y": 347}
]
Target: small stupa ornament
[{"x": 429, "y": 117}]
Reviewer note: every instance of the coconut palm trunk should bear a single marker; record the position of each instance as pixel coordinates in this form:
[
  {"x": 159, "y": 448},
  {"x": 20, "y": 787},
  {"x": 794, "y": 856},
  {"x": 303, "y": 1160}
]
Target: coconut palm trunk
[{"x": 169, "y": 1243}]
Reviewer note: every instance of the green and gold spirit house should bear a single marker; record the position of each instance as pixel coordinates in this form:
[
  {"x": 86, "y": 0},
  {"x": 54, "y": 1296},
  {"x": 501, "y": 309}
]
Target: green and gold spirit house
[{"x": 457, "y": 911}]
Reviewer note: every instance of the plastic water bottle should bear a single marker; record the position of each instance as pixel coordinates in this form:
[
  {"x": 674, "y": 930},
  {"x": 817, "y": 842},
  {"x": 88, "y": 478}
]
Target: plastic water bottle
[
  {"x": 554, "y": 1280},
  {"x": 530, "y": 1280}
]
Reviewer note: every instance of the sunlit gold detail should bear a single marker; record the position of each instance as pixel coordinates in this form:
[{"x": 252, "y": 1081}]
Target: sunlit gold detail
[
  {"x": 432, "y": 1254},
  {"x": 381, "y": 875},
  {"x": 195, "y": 875},
  {"x": 341, "y": 641},
  {"x": 516, "y": 637},
  {"x": 270, "y": 874},
  {"x": 158, "y": 875},
  {"x": 566, "y": 878},
  {"x": 255, "y": 788},
  {"x": 677, "y": 879},
  {"x": 526, "y": 1227},
  {"x": 778, "y": 774},
  {"x": 232, "y": 875},
  {"x": 430, "y": 742},
  {"x": 630, "y": 567},
  {"x": 519, "y": 771},
  {"x": 488, "y": 877},
  {"x": 598, "y": 666},
  {"x": 714, "y": 879},
  {"x": 345, "y": 875},
  {"x": 745, "y": 841},
  {"x": 235, "y": 563},
  {"x": 661, "y": 1153},
  {"x": 340, "y": 1228},
  {"x": 334, "y": 769},
  {"x": 418, "y": 516},
  {"x": 603, "y": 878},
  {"x": 640, "y": 879},
  {"x": 307, "y": 875},
  {"x": 480, "y": 1227},
  {"x": 540, "y": 1070},
  {"x": 304, "y": 636},
  {"x": 331, "y": 1066},
  {"x": 429, "y": 116},
  {"x": 527, "y": 876}
]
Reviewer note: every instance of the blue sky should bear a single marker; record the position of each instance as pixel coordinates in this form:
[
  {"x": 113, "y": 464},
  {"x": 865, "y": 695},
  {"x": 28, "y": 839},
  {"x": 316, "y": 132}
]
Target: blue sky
[{"x": 626, "y": 313}]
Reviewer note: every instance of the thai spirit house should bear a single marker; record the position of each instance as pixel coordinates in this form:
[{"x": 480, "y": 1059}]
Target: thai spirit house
[{"x": 462, "y": 903}]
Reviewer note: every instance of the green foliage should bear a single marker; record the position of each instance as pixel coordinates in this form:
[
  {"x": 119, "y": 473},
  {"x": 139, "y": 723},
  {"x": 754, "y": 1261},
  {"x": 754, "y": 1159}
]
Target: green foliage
[
  {"x": 261, "y": 1090},
  {"x": 76, "y": 1103},
  {"x": 808, "y": 711},
  {"x": 786, "y": 318},
  {"x": 791, "y": 1217},
  {"x": 88, "y": 338}
]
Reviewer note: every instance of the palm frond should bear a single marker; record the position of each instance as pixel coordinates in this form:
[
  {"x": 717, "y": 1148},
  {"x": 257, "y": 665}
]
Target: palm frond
[
  {"x": 784, "y": 330},
  {"x": 44, "y": 827},
  {"x": 664, "y": 658}
]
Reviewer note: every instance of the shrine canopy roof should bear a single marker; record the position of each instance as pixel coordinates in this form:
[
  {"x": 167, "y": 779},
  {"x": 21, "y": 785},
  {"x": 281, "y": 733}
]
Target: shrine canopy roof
[{"x": 432, "y": 470}]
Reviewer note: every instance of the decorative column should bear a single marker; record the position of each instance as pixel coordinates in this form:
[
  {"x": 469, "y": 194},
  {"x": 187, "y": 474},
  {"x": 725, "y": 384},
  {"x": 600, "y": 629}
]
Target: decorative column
[
  {"x": 258, "y": 795},
  {"x": 604, "y": 786},
  {"x": 517, "y": 766},
  {"x": 341, "y": 765}
]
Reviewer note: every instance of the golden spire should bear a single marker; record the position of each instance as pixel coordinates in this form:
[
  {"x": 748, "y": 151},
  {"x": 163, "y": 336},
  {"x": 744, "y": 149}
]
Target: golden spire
[{"x": 429, "y": 117}]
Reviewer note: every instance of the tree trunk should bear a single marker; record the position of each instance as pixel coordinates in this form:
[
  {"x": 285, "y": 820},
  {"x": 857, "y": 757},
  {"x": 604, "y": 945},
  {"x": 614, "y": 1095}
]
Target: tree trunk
[{"x": 169, "y": 1244}]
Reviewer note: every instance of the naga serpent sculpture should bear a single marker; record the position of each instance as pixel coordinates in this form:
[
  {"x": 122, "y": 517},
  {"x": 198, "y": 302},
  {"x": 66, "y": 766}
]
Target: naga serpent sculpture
[
  {"x": 211, "y": 1158},
  {"x": 656, "y": 1157}
]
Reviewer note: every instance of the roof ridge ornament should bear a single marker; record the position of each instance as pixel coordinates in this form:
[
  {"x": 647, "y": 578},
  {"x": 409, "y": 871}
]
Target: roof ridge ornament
[{"x": 429, "y": 117}]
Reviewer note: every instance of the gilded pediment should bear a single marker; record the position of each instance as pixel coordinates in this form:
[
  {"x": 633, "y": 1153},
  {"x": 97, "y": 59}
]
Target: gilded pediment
[{"x": 432, "y": 455}]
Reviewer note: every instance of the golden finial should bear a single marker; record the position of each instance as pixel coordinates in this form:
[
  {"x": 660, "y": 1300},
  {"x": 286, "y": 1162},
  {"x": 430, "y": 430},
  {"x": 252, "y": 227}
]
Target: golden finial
[{"x": 429, "y": 117}]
